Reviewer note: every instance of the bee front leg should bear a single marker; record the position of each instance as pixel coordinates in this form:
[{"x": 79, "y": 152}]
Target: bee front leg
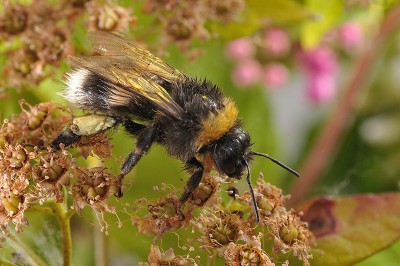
[
  {"x": 193, "y": 181},
  {"x": 144, "y": 139},
  {"x": 191, "y": 184}
]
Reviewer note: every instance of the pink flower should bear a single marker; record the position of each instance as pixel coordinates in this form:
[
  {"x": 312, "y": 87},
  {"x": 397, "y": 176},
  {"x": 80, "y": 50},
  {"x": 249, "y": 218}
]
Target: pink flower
[
  {"x": 320, "y": 66},
  {"x": 246, "y": 73},
  {"x": 320, "y": 59},
  {"x": 240, "y": 49},
  {"x": 276, "y": 42},
  {"x": 351, "y": 36},
  {"x": 321, "y": 87},
  {"x": 275, "y": 75}
]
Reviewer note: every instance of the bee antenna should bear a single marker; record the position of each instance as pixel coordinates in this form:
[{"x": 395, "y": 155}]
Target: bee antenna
[
  {"x": 277, "y": 162},
  {"x": 253, "y": 198}
]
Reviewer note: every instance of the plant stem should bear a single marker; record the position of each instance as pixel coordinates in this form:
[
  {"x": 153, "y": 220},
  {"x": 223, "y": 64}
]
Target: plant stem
[
  {"x": 211, "y": 259},
  {"x": 100, "y": 244},
  {"x": 327, "y": 142},
  {"x": 63, "y": 217}
]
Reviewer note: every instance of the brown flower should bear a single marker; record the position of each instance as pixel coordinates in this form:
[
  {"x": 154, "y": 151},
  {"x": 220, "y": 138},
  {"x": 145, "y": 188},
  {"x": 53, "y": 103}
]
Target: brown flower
[
  {"x": 51, "y": 172},
  {"x": 15, "y": 158},
  {"x": 162, "y": 215},
  {"x": 206, "y": 192},
  {"x": 290, "y": 234},
  {"x": 268, "y": 197},
  {"x": 158, "y": 258},
  {"x": 109, "y": 17},
  {"x": 98, "y": 144},
  {"x": 13, "y": 199},
  {"x": 249, "y": 254},
  {"x": 93, "y": 188},
  {"x": 219, "y": 228}
]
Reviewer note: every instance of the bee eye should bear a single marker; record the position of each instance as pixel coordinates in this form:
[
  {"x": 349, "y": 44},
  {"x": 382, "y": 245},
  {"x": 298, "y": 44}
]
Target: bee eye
[{"x": 229, "y": 168}]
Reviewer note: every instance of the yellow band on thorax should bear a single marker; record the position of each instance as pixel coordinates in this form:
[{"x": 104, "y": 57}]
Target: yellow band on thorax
[{"x": 216, "y": 125}]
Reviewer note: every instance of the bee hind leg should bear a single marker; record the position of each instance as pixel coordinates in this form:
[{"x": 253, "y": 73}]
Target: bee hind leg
[
  {"x": 67, "y": 137},
  {"x": 144, "y": 139},
  {"x": 86, "y": 125}
]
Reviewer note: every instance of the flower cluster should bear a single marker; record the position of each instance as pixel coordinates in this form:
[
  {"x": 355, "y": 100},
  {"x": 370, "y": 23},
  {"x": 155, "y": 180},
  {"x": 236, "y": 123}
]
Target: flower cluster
[
  {"x": 320, "y": 64},
  {"x": 263, "y": 59},
  {"x": 156, "y": 257},
  {"x": 39, "y": 35},
  {"x": 32, "y": 172},
  {"x": 259, "y": 59},
  {"x": 226, "y": 230},
  {"x": 183, "y": 21}
]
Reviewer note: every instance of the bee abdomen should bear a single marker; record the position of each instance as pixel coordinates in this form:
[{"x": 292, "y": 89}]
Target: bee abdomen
[{"x": 87, "y": 90}]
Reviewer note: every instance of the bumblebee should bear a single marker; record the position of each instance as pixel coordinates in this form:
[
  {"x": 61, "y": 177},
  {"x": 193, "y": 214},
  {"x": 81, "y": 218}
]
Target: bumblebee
[{"x": 126, "y": 85}]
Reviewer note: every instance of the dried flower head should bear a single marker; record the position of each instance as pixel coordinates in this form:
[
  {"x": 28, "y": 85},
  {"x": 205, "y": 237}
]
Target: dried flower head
[
  {"x": 249, "y": 254},
  {"x": 13, "y": 199},
  {"x": 14, "y": 158},
  {"x": 37, "y": 125},
  {"x": 206, "y": 192},
  {"x": 51, "y": 173},
  {"x": 14, "y": 21},
  {"x": 94, "y": 188},
  {"x": 219, "y": 228},
  {"x": 290, "y": 234},
  {"x": 268, "y": 197},
  {"x": 99, "y": 144},
  {"x": 41, "y": 37},
  {"x": 109, "y": 17},
  {"x": 183, "y": 21},
  {"x": 155, "y": 217},
  {"x": 225, "y": 10},
  {"x": 156, "y": 258}
]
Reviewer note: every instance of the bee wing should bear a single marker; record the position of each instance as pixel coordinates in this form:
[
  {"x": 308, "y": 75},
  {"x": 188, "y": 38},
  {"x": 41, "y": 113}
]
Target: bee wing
[
  {"x": 110, "y": 44},
  {"x": 132, "y": 72}
]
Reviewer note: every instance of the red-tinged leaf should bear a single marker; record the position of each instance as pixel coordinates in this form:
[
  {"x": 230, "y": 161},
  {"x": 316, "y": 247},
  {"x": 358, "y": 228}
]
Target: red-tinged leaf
[{"x": 349, "y": 229}]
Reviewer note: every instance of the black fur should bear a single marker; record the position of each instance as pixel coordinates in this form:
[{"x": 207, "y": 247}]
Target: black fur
[{"x": 197, "y": 99}]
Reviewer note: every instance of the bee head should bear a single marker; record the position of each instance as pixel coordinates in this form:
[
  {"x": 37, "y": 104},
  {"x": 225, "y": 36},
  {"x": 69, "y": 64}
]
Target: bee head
[
  {"x": 232, "y": 155},
  {"x": 232, "y": 151}
]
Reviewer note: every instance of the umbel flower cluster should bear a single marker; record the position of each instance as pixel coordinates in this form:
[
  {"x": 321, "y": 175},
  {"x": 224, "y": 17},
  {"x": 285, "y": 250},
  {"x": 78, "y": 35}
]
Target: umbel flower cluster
[{"x": 32, "y": 173}]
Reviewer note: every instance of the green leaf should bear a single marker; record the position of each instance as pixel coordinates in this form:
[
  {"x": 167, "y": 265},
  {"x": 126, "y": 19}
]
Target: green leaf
[
  {"x": 351, "y": 228},
  {"x": 259, "y": 13},
  {"x": 326, "y": 15}
]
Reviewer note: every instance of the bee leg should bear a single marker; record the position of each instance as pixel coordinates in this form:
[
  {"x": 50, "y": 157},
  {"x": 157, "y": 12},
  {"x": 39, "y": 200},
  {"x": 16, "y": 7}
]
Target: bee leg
[
  {"x": 144, "y": 139},
  {"x": 67, "y": 137},
  {"x": 193, "y": 181},
  {"x": 191, "y": 184},
  {"x": 132, "y": 127},
  {"x": 86, "y": 125}
]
